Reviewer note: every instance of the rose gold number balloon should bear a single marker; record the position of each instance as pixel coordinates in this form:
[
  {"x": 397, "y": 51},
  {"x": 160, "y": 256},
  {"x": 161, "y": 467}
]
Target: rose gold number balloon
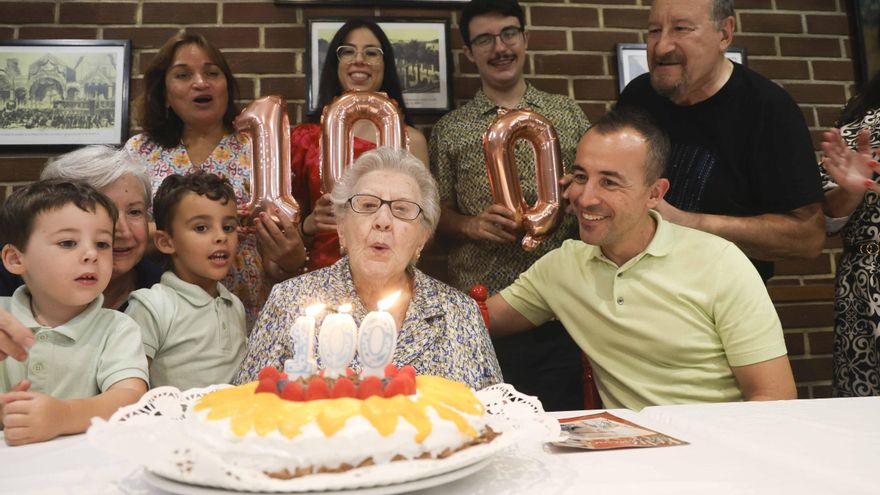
[
  {"x": 337, "y": 121},
  {"x": 499, "y": 141},
  {"x": 266, "y": 121}
]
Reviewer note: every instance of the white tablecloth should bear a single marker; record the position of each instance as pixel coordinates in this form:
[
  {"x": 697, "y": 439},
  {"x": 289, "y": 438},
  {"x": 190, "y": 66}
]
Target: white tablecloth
[{"x": 804, "y": 447}]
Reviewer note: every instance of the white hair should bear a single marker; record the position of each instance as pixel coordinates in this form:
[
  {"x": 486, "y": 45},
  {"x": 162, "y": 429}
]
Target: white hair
[
  {"x": 401, "y": 161},
  {"x": 98, "y": 166}
]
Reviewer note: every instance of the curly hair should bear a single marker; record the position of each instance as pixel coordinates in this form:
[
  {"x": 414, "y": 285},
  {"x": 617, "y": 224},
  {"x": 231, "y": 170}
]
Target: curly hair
[{"x": 174, "y": 188}]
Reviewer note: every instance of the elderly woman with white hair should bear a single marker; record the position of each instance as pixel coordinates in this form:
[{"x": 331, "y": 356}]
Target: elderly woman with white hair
[
  {"x": 441, "y": 331},
  {"x": 125, "y": 181}
]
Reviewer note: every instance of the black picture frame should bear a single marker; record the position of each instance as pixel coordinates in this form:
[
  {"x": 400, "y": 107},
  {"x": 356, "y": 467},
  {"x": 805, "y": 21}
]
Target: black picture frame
[
  {"x": 632, "y": 61},
  {"x": 865, "y": 25},
  {"x": 430, "y": 97},
  {"x": 64, "y": 92}
]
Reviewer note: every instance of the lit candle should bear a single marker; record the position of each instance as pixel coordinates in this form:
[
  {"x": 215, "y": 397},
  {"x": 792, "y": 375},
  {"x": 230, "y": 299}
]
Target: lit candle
[
  {"x": 302, "y": 336},
  {"x": 337, "y": 341},
  {"x": 377, "y": 338}
]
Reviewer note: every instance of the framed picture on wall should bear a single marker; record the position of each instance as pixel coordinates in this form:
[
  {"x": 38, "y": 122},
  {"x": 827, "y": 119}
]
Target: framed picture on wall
[
  {"x": 64, "y": 92},
  {"x": 632, "y": 61},
  {"x": 421, "y": 54},
  {"x": 865, "y": 20}
]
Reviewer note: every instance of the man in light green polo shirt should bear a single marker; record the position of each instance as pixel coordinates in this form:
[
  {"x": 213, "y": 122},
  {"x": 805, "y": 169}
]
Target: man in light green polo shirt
[{"x": 667, "y": 314}]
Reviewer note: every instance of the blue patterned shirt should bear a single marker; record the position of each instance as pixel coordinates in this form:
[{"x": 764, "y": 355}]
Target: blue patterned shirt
[{"x": 443, "y": 332}]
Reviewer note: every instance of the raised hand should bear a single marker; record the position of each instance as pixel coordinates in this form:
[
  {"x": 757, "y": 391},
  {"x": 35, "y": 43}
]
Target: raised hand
[
  {"x": 849, "y": 169},
  {"x": 496, "y": 223}
]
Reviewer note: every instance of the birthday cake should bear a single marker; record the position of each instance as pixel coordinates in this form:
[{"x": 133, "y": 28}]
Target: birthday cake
[{"x": 291, "y": 428}]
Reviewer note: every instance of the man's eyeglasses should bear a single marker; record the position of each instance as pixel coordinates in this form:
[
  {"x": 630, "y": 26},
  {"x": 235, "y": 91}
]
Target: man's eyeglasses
[
  {"x": 508, "y": 35},
  {"x": 347, "y": 53},
  {"x": 400, "y": 208}
]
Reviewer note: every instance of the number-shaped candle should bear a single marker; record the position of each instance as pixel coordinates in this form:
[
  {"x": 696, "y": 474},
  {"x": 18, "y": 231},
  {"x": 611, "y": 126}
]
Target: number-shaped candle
[
  {"x": 337, "y": 341},
  {"x": 302, "y": 338},
  {"x": 377, "y": 338}
]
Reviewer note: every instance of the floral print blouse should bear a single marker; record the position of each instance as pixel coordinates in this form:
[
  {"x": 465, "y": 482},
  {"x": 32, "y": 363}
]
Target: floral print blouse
[{"x": 443, "y": 332}]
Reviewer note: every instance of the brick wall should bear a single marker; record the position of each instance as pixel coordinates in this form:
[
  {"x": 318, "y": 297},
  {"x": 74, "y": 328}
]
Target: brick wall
[{"x": 802, "y": 44}]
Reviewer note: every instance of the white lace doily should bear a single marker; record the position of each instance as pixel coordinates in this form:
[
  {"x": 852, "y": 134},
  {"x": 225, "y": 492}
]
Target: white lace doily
[{"x": 151, "y": 433}]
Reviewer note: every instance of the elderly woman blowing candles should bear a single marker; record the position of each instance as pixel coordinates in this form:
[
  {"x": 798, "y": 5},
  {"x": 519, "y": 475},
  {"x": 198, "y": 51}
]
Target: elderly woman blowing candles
[{"x": 387, "y": 208}]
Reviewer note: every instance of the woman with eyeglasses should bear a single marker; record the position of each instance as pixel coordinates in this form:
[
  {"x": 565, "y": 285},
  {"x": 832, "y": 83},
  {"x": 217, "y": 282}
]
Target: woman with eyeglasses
[
  {"x": 359, "y": 57},
  {"x": 386, "y": 207}
]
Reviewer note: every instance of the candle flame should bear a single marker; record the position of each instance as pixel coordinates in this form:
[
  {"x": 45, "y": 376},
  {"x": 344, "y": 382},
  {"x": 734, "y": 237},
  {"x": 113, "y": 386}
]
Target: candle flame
[
  {"x": 389, "y": 301},
  {"x": 314, "y": 309},
  {"x": 345, "y": 308}
]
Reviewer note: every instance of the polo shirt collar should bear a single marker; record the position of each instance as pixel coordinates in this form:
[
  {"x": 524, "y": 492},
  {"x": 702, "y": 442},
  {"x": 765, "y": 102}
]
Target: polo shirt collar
[
  {"x": 73, "y": 329},
  {"x": 192, "y": 293},
  {"x": 660, "y": 245},
  {"x": 532, "y": 98}
]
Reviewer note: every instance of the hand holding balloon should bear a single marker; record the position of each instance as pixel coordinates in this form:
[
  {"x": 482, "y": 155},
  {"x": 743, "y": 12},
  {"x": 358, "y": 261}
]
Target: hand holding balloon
[
  {"x": 279, "y": 241},
  {"x": 564, "y": 182},
  {"x": 321, "y": 219},
  {"x": 496, "y": 223}
]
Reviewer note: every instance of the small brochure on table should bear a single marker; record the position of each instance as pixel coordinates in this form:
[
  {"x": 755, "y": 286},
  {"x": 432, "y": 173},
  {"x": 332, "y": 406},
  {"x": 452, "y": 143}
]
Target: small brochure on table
[{"x": 606, "y": 431}]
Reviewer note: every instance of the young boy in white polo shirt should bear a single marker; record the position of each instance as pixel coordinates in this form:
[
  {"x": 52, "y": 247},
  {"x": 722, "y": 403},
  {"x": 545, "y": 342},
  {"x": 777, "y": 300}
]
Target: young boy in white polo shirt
[
  {"x": 193, "y": 327},
  {"x": 86, "y": 360}
]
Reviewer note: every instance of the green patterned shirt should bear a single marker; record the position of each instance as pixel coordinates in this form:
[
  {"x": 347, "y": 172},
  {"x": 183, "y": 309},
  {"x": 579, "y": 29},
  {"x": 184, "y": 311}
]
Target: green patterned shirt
[{"x": 458, "y": 163}]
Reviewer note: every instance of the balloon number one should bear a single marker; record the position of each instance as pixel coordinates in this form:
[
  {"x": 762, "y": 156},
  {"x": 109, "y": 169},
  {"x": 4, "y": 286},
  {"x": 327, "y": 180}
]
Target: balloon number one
[
  {"x": 499, "y": 142},
  {"x": 338, "y": 120},
  {"x": 266, "y": 121}
]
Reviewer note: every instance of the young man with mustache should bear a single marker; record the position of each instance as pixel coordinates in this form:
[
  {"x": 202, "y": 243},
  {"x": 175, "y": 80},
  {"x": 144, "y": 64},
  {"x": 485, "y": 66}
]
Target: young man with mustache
[
  {"x": 742, "y": 163},
  {"x": 484, "y": 237},
  {"x": 667, "y": 314}
]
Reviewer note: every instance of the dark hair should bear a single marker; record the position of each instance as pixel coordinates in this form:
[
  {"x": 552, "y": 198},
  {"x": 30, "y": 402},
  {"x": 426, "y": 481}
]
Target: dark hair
[
  {"x": 330, "y": 87},
  {"x": 507, "y": 8},
  {"x": 721, "y": 9},
  {"x": 629, "y": 117},
  {"x": 868, "y": 98},
  {"x": 159, "y": 122},
  {"x": 22, "y": 207},
  {"x": 174, "y": 188}
]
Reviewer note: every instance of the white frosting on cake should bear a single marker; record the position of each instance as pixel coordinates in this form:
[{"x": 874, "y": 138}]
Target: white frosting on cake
[
  {"x": 273, "y": 435},
  {"x": 356, "y": 442}
]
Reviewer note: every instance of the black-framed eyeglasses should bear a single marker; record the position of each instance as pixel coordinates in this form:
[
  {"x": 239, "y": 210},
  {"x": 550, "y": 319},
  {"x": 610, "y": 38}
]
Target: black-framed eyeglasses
[
  {"x": 372, "y": 55},
  {"x": 400, "y": 208},
  {"x": 508, "y": 35}
]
